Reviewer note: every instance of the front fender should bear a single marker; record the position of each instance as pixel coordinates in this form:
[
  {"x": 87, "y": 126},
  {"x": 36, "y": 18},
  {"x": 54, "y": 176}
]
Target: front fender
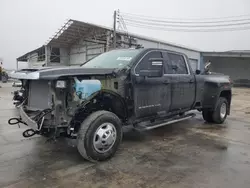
[
  {"x": 212, "y": 92},
  {"x": 100, "y": 100}
]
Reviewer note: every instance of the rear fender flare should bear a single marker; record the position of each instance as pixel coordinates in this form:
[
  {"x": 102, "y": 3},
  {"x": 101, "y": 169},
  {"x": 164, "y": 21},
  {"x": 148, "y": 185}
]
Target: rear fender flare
[{"x": 219, "y": 95}]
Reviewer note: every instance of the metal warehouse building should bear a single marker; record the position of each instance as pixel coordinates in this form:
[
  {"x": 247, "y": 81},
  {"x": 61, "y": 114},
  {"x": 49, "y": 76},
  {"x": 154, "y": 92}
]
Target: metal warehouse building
[
  {"x": 78, "y": 41},
  {"x": 236, "y": 64}
]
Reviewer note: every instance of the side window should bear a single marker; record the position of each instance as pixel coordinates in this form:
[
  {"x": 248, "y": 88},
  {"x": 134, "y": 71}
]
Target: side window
[
  {"x": 55, "y": 55},
  {"x": 178, "y": 63},
  {"x": 143, "y": 65}
]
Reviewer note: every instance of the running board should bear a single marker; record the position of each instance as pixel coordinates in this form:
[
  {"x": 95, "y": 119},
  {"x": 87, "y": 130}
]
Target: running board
[{"x": 185, "y": 117}]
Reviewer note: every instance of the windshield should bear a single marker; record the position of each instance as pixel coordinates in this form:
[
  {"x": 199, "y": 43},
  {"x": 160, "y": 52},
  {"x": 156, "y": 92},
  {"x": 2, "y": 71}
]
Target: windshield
[{"x": 113, "y": 59}]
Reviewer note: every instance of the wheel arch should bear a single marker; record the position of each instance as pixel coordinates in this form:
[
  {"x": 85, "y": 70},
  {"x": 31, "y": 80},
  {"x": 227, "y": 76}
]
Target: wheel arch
[
  {"x": 122, "y": 109},
  {"x": 227, "y": 94},
  {"x": 101, "y": 100}
]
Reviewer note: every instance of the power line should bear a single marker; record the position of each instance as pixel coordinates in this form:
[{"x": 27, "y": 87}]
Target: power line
[
  {"x": 142, "y": 21},
  {"x": 184, "y": 26},
  {"x": 185, "y": 22},
  {"x": 121, "y": 21},
  {"x": 188, "y": 30},
  {"x": 187, "y": 19}
]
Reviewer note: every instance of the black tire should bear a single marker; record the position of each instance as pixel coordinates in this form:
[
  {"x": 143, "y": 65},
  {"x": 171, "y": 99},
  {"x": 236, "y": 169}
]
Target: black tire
[
  {"x": 216, "y": 115},
  {"x": 208, "y": 115},
  {"x": 85, "y": 138}
]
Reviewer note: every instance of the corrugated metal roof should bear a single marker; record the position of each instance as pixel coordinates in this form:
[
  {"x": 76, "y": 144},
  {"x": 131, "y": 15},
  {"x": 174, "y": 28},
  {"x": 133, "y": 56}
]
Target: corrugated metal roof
[
  {"x": 73, "y": 30},
  {"x": 239, "y": 51},
  {"x": 231, "y": 53},
  {"x": 25, "y": 56}
]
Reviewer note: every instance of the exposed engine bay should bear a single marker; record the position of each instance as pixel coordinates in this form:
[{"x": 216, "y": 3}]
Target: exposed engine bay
[{"x": 55, "y": 105}]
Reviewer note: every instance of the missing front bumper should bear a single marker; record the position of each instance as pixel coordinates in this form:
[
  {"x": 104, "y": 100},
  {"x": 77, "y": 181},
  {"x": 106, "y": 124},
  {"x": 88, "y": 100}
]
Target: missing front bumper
[{"x": 25, "y": 118}]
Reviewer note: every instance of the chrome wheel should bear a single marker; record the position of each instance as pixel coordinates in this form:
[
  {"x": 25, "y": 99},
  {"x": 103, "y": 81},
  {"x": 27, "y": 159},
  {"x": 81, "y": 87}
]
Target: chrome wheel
[
  {"x": 223, "y": 110},
  {"x": 104, "y": 137}
]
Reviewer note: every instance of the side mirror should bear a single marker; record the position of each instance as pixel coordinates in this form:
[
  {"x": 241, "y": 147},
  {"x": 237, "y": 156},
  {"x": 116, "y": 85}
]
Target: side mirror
[
  {"x": 154, "y": 68},
  {"x": 197, "y": 72}
]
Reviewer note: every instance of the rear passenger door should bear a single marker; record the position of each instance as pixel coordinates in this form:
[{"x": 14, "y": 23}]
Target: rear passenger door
[{"x": 182, "y": 82}]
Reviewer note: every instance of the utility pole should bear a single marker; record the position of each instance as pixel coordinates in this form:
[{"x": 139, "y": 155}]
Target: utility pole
[
  {"x": 17, "y": 64},
  {"x": 114, "y": 34}
]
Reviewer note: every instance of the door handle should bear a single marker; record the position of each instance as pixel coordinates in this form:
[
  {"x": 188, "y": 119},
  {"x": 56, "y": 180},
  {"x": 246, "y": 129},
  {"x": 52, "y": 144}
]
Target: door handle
[{"x": 191, "y": 81}]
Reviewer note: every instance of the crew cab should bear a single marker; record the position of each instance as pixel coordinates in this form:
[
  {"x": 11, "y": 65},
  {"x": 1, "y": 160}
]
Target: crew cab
[{"x": 146, "y": 88}]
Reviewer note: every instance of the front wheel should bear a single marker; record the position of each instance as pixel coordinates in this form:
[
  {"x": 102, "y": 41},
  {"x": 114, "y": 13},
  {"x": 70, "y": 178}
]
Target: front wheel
[{"x": 99, "y": 136}]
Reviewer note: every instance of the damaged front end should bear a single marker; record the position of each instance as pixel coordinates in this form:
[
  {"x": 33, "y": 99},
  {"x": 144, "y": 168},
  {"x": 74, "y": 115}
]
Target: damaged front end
[
  {"x": 49, "y": 105},
  {"x": 38, "y": 109},
  {"x": 57, "y": 100},
  {"x": 35, "y": 120}
]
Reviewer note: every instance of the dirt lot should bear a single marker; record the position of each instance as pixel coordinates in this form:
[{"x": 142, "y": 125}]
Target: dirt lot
[{"x": 188, "y": 154}]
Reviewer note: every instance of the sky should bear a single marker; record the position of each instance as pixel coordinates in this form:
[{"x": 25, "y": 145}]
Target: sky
[{"x": 28, "y": 24}]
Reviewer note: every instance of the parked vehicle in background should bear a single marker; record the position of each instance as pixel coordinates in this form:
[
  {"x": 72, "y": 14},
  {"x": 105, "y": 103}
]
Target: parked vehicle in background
[
  {"x": 3, "y": 74},
  {"x": 5, "y": 77},
  {"x": 146, "y": 88}
]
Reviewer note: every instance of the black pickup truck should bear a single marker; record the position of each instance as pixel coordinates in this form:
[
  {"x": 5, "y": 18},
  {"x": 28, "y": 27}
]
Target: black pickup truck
[{"x": 146, "y": 88}]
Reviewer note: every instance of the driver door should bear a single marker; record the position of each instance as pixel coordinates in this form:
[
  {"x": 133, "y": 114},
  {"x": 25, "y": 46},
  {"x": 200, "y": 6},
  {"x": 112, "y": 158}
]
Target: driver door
[{"x": 152, "y": 95}]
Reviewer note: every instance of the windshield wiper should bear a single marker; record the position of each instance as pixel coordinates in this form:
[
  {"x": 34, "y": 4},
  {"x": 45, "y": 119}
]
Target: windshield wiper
[{"x": 86, "y": 61}]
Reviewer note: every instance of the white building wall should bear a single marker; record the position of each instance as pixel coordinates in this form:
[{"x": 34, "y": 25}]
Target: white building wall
[
  {"x": 64, "y": 57},
  {"x": 83, "y": 51},
  {"x": 77, "y": 53},
  {"x": 33, "y": 61}
]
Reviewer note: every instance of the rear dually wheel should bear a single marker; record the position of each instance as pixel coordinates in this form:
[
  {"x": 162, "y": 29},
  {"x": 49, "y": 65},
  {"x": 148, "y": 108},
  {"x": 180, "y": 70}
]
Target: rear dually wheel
[{"x": 218, "y": 115}]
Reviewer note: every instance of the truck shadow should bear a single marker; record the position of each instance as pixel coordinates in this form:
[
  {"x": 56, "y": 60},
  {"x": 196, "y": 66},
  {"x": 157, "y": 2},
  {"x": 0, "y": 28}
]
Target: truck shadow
[{"x": 133, "y": 135}]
